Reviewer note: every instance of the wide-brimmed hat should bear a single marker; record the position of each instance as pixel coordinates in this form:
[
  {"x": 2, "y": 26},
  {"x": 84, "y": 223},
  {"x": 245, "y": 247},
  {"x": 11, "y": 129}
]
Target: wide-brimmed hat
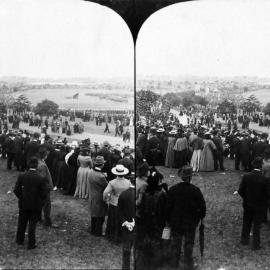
[
  {"x": 99, "y": 160},
  {"x": 74, "y": 144},
  {"x": 106, "y": 143},
  {"x": 186, "y": 171},
  {"x": 120, "y": 169},
  {"x": 160, "y": 130},
  {"x": 173, "y": 132}
]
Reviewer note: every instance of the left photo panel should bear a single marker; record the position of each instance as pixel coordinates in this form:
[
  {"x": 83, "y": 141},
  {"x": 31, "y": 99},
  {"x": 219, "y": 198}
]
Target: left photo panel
[{"x": 66, "y": 136}]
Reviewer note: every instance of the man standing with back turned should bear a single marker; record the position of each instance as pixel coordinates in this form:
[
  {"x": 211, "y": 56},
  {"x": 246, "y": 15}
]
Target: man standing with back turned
[
  {"x": 254, "y": 191},
  {"x": 185, "y": 208},
  {"x": 31, "y": 189}
]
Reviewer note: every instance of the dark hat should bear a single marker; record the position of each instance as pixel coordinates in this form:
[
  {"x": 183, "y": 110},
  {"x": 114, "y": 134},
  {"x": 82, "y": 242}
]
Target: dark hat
[
  {"x": 36, "y": 135},
  {"x": 186, "y": 171},
  {"x": 142, "y": 169},
  {"x": 99, "y": 160},
  {"x": 257, "y": 163}
]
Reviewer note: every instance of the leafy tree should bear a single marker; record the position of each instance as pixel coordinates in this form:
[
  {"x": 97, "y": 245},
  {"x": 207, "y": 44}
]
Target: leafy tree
[
  {"x": 266, "y": 109},
  {"x": 227, "y": 106},
  {"x": 251, "y": 104},
  {"x": 146, "y": 101},
  {"x": 46, "y": 107},
  {"x": 187, "y": 101},
  {"x": 21, "y": 104}
]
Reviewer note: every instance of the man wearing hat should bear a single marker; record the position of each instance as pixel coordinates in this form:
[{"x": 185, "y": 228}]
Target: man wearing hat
[
  {"x": 254, "y": 192},
  {"x": 127, "y": 161},
  {"x": 98, "y": 208},
  {"x": 185, "y": 208},
  {"x": 105, "y": 152},
  {"x": 43, "y": 171},
  {"x": 31, "y": 189},
  {"x": 31, "y": 148}
]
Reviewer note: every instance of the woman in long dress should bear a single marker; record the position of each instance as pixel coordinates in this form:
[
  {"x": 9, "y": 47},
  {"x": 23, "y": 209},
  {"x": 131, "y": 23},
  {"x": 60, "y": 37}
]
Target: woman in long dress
[
  {"x": 85, "y": 163},
  {"x": 197, "y": 146},
  {"x": 169, "y": 160},
  {"x": 207, "y": 155}
]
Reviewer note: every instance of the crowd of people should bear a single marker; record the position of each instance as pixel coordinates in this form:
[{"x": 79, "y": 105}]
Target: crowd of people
[
  {"x": 98, "y": 173},
  {"x": 70, "y": 123},
  {"x": 142, "y": 212},
  {"x": 201, "y": 145}
]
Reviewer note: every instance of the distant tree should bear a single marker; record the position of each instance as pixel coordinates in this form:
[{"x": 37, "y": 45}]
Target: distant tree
[
  {"x": 200, "y": 100},
  {"x": 251, "y": 104},
  {"x": 187, "y": 101},
  {"x": 46, "y": 107},
  {"x": 173, "y": 99},
  {"x": 146, "y": 101},
  {"x": 21, "y": 104},
  {"x": 227, "y": 106},
  {"x": 266, "y": 109}
]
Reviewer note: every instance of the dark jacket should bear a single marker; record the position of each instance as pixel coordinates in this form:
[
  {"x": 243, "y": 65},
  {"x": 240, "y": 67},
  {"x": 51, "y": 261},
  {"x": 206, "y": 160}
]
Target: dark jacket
[
  {"x": 258, "y": 149},
  {"x": 254, "y": 190},
  {"x": 31, "y": 149},
  {"x": 31, "y": 189},
  {"x": 185, "y": 206},
  {"x": 126, "y": 205},
  {"x": 128, "y": 163}
]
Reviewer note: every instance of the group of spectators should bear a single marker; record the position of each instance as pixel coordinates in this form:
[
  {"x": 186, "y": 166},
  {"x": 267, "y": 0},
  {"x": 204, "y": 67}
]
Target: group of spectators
[
  {"x": 193, "y": 148},
  {"x": 98, "y": 173}
]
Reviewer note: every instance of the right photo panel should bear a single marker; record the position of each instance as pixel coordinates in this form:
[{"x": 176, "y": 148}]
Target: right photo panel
[{"x": 202, "y": 137}]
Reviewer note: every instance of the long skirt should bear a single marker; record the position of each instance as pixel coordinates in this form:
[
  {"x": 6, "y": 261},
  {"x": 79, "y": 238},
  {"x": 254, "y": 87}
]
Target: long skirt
[
  {"x": 113, "y": 229},
  {"x": 82, "y": 187},
  {"x": 195, "y": 160}
]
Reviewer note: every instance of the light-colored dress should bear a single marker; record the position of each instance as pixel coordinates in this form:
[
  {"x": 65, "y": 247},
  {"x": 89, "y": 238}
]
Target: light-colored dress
[
  {"x": 207, "y": 156},
  {"x": 82, "y": 188}
]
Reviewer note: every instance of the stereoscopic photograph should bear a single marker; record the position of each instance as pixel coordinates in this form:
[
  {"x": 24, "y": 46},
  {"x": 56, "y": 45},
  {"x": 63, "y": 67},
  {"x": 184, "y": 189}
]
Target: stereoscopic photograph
[{"x": 134, "y": 134}]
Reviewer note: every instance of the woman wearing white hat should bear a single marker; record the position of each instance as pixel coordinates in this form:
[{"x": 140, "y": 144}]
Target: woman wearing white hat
[{"x": 111, "y": 195}]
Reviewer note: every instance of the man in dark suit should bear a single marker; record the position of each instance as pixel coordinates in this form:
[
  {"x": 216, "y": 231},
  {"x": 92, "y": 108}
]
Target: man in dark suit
[
  {"x": 31, "y": 148},
  {"x": 218, "y": 155},
  {"x": 11, "y": 150},
  {"x": 31, "y": 189},
  {"x": 253, "y": 189},
  {"x": 127, "y": 161},
  {"x": 185, "y": 208},
  {"x": 126, "y": 212},
  {"x": 43, "y": 171}
]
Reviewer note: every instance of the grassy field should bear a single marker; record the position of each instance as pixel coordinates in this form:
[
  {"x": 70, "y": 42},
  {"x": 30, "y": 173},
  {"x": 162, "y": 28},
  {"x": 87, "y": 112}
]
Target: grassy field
[
  {"x": 223, "y": 223},
  {"x": 71, "y": 247},
  {"x": 68, "y": 247}
]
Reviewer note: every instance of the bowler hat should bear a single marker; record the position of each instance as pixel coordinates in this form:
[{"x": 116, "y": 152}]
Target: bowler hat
[{"x": 99, "y": 160}]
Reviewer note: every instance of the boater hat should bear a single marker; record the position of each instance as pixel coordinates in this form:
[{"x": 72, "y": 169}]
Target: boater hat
[{"x": 120, "y": 169}]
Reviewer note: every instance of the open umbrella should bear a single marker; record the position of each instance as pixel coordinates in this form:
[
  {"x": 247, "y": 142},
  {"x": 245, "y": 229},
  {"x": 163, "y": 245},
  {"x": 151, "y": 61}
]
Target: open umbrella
[{"x": 201, "y": 238}]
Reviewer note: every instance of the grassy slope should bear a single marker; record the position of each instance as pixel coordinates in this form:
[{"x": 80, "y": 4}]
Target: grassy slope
[
  {"x": 223, "y": 223},
  {"x": 69, "y": 247}
]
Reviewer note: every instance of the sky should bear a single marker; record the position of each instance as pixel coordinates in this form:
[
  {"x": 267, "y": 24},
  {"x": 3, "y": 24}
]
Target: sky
[
  {"x": 206, "y": 38},
  {"x": 63, "y": 38}
]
